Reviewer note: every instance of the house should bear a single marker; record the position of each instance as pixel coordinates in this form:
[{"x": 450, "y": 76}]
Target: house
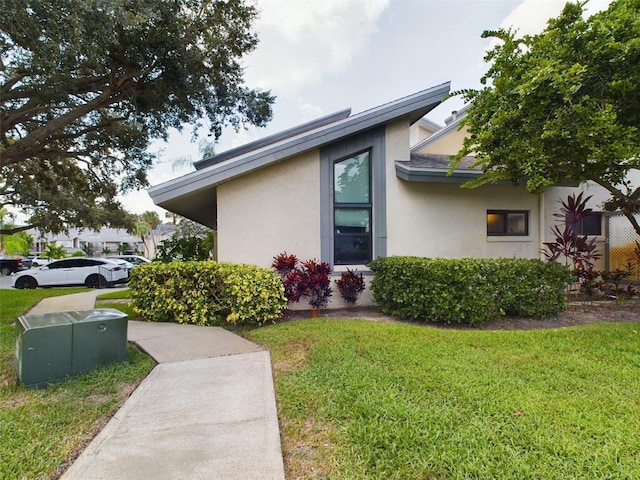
[
  {"x": 349, "y": 188},
  {"x": 104, "y": 241}
]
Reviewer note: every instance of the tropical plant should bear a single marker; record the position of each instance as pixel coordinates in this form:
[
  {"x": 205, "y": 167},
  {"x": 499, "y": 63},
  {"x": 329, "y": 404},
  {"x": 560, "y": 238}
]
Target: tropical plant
[
  {"x": 304, "y": 279},
  {"x": 145, "y": 227},
  {"x": 287, "y": 267},
  {"x": 315, "y": 284},
  {"x": 579, "y": 252},
  {"x": 87, "y": 248},
  {"x": 18, "y": 243},
  {"x": 350, "y": 285},
  {"x": 53, "y": 251}
]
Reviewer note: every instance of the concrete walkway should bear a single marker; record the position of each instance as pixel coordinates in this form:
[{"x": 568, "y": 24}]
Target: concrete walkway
[{"x": 206, "y": 411}]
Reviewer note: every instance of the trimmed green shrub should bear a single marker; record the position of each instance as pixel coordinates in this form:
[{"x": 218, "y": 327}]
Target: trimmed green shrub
[
  {"x": 207, "y": 293},
  {"x": 468, "y": 290}
]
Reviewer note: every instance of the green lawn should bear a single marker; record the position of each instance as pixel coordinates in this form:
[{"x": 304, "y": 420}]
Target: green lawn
[
  {"x": 39, "y": 429},
  {"x": 391, "y": 401}
]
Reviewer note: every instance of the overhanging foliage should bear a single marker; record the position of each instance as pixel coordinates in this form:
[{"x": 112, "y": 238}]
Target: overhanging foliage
[
  {"x": 86, "y": 84},
  {"x": 563, "y": 104}
]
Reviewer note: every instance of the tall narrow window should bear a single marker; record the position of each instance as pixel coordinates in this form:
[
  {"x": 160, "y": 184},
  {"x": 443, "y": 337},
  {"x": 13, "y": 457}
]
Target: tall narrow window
[{"x": 352, "y": 209}]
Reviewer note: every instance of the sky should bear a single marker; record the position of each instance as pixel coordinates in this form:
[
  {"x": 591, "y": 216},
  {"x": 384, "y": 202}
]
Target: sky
[{"x": 321, "y": 56}]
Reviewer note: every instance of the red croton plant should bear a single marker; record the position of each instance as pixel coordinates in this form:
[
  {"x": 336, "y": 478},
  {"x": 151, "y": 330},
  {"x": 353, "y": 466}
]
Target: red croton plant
[{"x": 304, "y": 279}]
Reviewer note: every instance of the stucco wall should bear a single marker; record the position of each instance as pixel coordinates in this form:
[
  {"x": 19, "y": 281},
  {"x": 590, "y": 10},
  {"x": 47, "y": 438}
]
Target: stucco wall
[
  {"x": 273, "y": 210},
  {"x": 446, "y": 145},
  {"x": 444, "y": 220}
]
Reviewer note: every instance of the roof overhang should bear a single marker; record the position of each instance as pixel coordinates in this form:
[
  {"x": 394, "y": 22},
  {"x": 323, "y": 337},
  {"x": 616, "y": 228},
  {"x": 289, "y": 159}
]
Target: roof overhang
[
  {"x": 440, "y": 175},
  {"x": 434, "y": 175}
]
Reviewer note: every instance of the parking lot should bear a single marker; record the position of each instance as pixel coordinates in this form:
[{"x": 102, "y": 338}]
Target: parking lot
[{"x": 5, "y": 281}]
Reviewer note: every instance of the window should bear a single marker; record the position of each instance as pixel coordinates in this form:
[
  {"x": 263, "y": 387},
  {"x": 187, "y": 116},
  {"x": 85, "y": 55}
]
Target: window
[
  {"x": 352, "y": 209},
  {"x": 507, "y": 223},
  {"x": 590, "y": 224}
]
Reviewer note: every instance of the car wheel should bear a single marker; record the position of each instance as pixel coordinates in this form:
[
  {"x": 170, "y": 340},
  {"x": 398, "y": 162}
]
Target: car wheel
[
  {"x": 26, "y": 282},
  {"x": 5, "y": 271},
  {"x": 95, "y": 281}
]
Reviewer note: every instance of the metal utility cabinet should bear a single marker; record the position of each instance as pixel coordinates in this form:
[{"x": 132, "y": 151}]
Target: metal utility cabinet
[{"x": 52, "y": 346}]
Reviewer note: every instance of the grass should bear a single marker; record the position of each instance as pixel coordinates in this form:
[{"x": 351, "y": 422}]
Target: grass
[
  {"x": 118, "y": 295},
  {"x": 14, "y": 303},
  {"x": 102, "y": 301},
  {"x": 41, "y": 429},
  {"x": 370, "y": 400}
]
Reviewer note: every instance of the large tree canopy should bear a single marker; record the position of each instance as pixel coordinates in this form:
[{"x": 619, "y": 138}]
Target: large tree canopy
[
  {"x": 86, "y": 84},
  {"x": 563, "y": 104}
]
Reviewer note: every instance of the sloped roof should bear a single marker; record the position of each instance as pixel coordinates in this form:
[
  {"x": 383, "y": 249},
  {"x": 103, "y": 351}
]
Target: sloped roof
[
  {"x": 452, "y": 124},
  {"x": 278, "y": 137},
  {"x": 194, "y": 194},
  {"x": 432, "y": 167}
]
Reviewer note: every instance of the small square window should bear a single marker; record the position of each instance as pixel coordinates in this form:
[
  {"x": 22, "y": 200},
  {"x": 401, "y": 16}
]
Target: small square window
[
  {"x": 507, "y": 223},
  {"x": 590, "y": 224}
]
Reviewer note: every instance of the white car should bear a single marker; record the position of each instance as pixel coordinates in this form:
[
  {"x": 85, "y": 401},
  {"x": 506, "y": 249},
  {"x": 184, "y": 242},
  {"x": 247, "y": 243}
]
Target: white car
[
  {"x": 135, "y": 260},
  {"x": 90, "y": 272},
  {"x": 39, "y": 261}
]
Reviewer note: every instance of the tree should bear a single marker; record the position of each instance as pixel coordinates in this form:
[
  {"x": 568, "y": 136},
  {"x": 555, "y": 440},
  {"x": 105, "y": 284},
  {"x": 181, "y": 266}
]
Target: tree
[
  {"x": 145, "y": 225},
  {"x": 190, "y": 241},
  {"x": 53, "y": 251},
  {"x": 18, "y": 243},
  {"x": 562, "y": 104},
  {"x": 86, "y": 84}
]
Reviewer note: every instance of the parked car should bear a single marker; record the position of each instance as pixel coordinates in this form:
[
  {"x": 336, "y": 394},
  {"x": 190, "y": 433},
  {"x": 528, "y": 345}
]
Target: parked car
[
  {"x": 10, "y": 265},
  {"x": 39, "y": 261},
  {"x": 133, "y": 259},
  {"x": 91, "y": 272}
]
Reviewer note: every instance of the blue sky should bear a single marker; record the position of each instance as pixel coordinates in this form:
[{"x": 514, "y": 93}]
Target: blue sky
[{"x": 321, "y": 56}]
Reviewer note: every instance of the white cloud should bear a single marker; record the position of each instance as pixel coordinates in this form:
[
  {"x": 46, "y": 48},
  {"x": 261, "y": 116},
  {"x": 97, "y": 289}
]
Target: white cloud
[
  {"x": 530, "y": 16},
  {"x": 302, "y": 41},
  {"x": 308, "y": 111}
]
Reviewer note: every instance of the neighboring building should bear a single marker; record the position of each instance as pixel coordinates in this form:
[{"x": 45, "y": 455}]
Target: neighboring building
[
  {"x": 350, "y": 188},
  {"x": 103, "y": 242}
]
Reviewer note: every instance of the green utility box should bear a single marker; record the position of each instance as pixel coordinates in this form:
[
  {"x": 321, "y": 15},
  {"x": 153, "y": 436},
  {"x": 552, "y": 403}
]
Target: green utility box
[
  {"x": 43, "y": 348},
  {"x": 99, "y": 338},
  {"x": 52, "y": 346}
]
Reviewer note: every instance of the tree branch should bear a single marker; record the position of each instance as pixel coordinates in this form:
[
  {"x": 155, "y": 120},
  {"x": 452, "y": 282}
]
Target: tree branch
[{"x": 34, "y": 144}]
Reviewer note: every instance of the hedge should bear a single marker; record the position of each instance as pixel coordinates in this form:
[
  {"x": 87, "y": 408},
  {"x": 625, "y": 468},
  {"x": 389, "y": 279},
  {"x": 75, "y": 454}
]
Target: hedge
[
  {"x": 468, "y": 290},
  {"x": 207, "y": 293}
]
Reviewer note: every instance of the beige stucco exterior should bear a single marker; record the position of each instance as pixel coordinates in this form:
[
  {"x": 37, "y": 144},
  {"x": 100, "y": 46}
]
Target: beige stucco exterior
[
  {"x": 446, "y": 144},
  {"x": 419, "y": 131},
  {"x": 445, "y": 220},
  {"x": 272, "y": 210}
]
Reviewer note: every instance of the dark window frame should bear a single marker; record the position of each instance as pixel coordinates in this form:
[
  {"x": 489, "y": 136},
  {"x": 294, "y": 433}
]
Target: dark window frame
[
  {"x": 337, "y": 237},
  {"x": 580, "y": 225},
  {"x": 505, "y": 222}
]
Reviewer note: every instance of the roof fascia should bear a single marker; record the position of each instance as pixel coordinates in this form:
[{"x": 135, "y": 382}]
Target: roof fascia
[
  {"x": 277, "y": 137},
  {"x": 434, "y": 175},
  {"x": 430, "y": 125},
  {"x": 451, "y": 127},
  {"x": 415, "y": 106},
  {"x": 440, "y": 175}
]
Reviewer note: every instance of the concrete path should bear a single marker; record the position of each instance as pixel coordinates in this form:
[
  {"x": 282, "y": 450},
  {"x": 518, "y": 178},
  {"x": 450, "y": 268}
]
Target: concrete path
[{"x": 206, "y": 411}]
